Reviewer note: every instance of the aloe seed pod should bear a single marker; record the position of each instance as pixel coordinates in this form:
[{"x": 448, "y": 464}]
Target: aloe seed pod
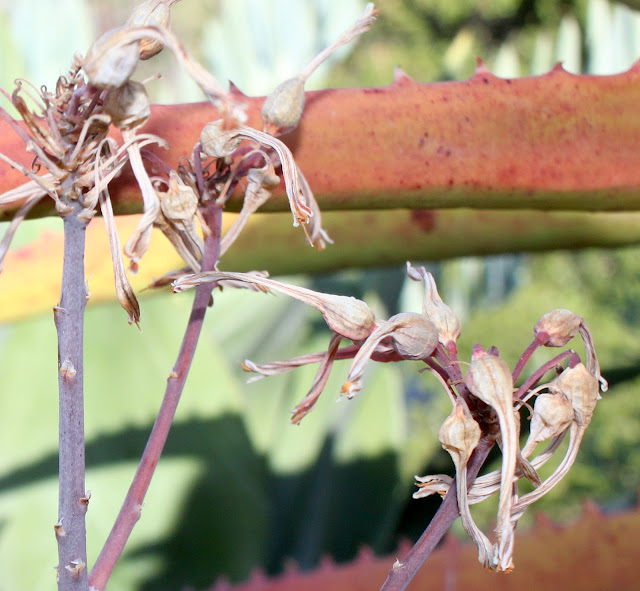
[
  {"x": 128, "y": 105},
  {"x": 152, "y": 13},
  {"x": 459, "y": 435},
  {"x": 434, "y": 308},
  {"x": 218, "y": 142},
  {"x": 282, "y": 109},
  {"x": 561, "y": 325},
  {"x": 112, "y": 59},
  {"x": 552, "y": 415},
  {"x": 580, "y": 387}
]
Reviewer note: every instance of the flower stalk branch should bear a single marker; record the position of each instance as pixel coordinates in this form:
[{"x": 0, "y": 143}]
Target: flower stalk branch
[
  {"x": 73, "y": 500},
  {"x": 132, "y": 505}
]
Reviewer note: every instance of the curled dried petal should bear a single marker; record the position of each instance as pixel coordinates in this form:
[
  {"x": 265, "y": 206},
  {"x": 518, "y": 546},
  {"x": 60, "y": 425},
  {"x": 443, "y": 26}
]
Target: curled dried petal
[
  {"x": 124, "y": 291},
  {"x": 434, "y": 308},
  {"x": 319, "y": 382},
  {"x": 345, "y": 315},
  {"x": 489, "y": 378},
  {"x": 433, "y": 484}
]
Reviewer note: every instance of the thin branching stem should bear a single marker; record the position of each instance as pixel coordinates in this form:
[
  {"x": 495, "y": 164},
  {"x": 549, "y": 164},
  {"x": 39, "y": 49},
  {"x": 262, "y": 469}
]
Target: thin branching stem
[
  {"x": 72, "y": 501},
  {"x": 402, "y": 574},
  {"x": 132, "y": 505}
]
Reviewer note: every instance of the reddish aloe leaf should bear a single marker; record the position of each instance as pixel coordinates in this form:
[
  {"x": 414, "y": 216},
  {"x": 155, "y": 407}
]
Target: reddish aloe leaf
[
  {"x": 598, "y": 552},
  {"x": 363, "y": 238},
  {"x": 556, "y": 141}
]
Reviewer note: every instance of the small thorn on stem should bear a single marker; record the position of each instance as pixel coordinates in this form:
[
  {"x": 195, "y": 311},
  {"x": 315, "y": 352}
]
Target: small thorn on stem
[
  {"x": 59, "y": 531},
  {"x": 76, "y": 566},
  {"x": 85, "y": 500},
  {"x": 67, "y": 371}
]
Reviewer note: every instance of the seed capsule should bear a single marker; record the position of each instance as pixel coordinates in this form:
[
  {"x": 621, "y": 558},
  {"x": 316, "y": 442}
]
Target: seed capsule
[{"x": 561, "y": 325}]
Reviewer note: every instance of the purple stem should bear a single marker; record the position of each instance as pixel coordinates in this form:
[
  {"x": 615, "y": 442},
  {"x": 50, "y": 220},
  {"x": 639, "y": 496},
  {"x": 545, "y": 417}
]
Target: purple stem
[
  {"x": 69, "y": 320},
  {"x": 536, "y": 376},
  {"x": 130, "y": 511},
  {"x": 399, "y": 577},
  {"x": 524, "y": 358}
]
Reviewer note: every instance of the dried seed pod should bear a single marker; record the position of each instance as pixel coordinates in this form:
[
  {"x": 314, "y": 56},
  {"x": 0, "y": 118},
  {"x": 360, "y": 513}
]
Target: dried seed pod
[
  {"x": 282, "y": 109},
  {"x": 179, "y": 203},
  {"x": 152, "y": 13},
  {"x": 552, "y": 415},
  {"x": 459, "y": 435},
  {"x": 434, "y": 308},
  {"x": 580, "y": 387},
  {"x": 411, "y": 335},
  {"x": 218, "y": 142},
  {"x": 128, "y": 105},
  {"x": 414, "y": 335},
  {"x": 561, "y": 325},
  {"x": 489, "y": 378},
  {"x": 112, "y": 59}
]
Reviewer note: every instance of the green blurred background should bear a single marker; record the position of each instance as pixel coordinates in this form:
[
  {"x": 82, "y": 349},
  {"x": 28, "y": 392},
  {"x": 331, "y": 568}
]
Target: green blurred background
[{"x": 238, "y": 486}]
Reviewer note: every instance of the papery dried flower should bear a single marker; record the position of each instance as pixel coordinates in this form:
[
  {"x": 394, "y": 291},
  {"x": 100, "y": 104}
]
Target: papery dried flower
[
  {"x": 432, "y": 484},
  {"x": 552, "y": 415},
  {"x": 128, "y": 105},
  {"x": 459, "y": 435},
  {"x": 345, "y": 315},
  {"x": 434, "y": 308},
  {"x": 260, "y": 182},
  {"x": 282, "y": 109},
  {"x": 319, "y": 382},
  {"x": 217, "y": 141},
  {"x": 112, "y": 58},
  {"x": 179, "y": 208},
  {"x": 152, "y": 13},
  {"x": 558, "y": 327},
  {"x": 580, "y": 387},
  {"x": 489, "y": 378},
  {"x": 412, "y": 336}
]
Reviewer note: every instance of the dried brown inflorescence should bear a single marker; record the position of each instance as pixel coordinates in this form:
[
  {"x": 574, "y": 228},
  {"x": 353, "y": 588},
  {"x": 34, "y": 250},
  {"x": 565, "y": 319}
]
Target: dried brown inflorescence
[
  {"x": 485, "y": 402},
  {"x": 69, "y": 132}
]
